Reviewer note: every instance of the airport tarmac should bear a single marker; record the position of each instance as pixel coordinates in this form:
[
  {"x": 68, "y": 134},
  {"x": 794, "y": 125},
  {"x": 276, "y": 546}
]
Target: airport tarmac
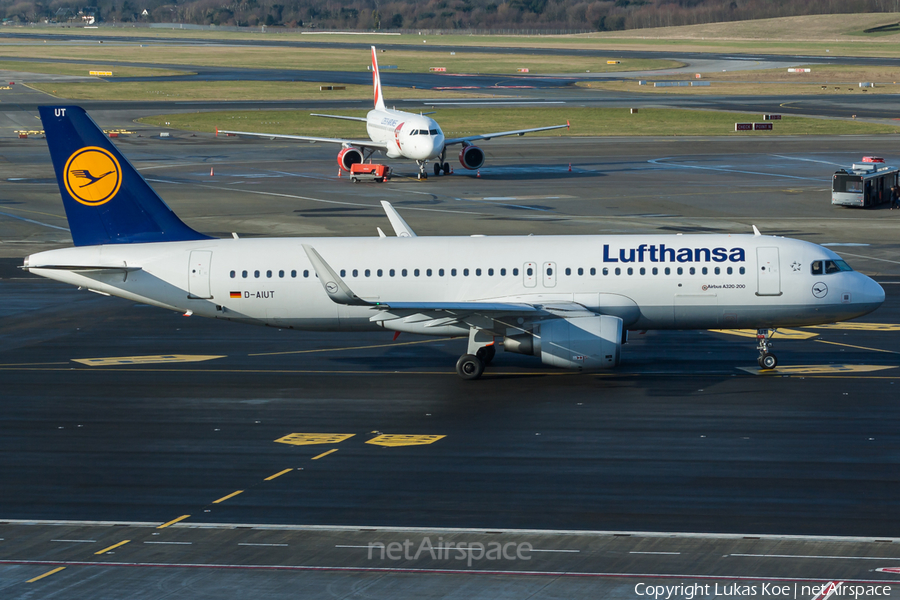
[{"x": 292, "y": 452}]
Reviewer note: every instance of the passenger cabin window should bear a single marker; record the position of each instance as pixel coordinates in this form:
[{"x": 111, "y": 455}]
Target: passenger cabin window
[
  {"x": 478, "y": 272},
  {"x": 268, "y": 273},
  {"x": 380, "y": 272},
  {"x": 743, "y": 270},
  {"x": 428, "y": 272},
  {"x": 368, "y": 273},
  {"x": 465, "y": 272},
  {"x": 490, "y": 272},
  {"x": 618, "y": 271},
  {"x": 440, "y": 272},
  {"x": 233, "y": 274},
  {"x": 452, "y": 272},
  {"x": 403, "y": 272},
  {"x": 256, "y": 274},
  {"x": 515, "y": 272},
  {"x": 355, "y": 272},
  {"x": 593, "y": 271},
  {"x": 580, "y": 271},
  {"x": 281, "y": 273},
  {"x": 244, "y": 274},
  {"x": 503, "y": 272}
]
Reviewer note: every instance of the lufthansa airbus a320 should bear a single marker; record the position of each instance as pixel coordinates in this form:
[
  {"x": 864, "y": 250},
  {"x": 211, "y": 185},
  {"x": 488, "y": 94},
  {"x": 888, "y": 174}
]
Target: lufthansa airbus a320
[{"x": 567, "y": 300}]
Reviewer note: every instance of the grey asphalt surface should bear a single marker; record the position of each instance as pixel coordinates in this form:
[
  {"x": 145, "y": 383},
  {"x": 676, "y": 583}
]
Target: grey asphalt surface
[{"x": 685, "y": 437}]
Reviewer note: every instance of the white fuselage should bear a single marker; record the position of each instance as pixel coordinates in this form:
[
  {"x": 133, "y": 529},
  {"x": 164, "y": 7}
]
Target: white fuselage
[
  {"x": 652, "y": 282},
  {"x": 407, "y": 135}
]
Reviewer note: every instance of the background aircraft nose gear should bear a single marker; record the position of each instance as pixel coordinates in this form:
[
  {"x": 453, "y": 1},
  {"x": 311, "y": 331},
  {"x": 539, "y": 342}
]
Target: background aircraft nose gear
[{"x": 766, "y": 359}]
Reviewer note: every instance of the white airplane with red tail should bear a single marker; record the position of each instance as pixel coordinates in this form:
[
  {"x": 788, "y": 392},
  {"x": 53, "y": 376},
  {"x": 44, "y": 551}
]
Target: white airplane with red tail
[{"x": 401, "y": 134}]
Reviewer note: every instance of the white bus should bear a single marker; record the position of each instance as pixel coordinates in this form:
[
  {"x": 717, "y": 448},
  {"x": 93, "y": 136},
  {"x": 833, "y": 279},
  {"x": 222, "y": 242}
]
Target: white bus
[{"x": 865, "y": 184}]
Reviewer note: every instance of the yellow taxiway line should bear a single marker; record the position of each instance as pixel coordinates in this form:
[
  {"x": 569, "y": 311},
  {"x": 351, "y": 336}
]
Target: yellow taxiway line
[
  {"x": 231, "y": 495},
  {"x": 114, "y": 546},
  {"x": 47, "y": 574},
  {"x": 324, "y": 454},
  {"x": 278, "y": 474},
  {"x": 173, "y": 521}
]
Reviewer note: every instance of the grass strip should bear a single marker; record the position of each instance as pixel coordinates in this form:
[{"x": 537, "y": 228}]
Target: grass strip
[{"x": 470, "y": 121}]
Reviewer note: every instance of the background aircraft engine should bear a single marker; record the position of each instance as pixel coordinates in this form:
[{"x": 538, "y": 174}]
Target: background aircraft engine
[
  {"x": 586, "y": 343},
  {"x": 348, "y": 157},
  {"x": 471, "y": 157}
]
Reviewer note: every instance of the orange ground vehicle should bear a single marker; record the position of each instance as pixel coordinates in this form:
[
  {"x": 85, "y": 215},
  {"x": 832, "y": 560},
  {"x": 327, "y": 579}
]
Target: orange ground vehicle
[{"x": 369, "y": 172}]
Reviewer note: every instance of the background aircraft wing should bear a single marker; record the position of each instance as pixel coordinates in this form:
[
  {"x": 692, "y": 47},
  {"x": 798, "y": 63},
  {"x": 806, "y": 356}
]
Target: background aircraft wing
[
  {"x": 308, "y": 138},
  {"x": 487, "y": 136},
  {"x": 363, "y": 119}
]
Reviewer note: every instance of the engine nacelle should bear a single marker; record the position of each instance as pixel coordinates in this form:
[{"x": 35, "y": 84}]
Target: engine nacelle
[
  {"x": 471, "y": 157},
  {"x": 348, "y": 157},
  {"x": 586, "y": 343}
]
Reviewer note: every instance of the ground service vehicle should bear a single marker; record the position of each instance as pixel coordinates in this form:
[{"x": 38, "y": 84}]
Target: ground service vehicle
[
  {"x": 369, "y": 172},
  {"x": 864, "y": 184}
]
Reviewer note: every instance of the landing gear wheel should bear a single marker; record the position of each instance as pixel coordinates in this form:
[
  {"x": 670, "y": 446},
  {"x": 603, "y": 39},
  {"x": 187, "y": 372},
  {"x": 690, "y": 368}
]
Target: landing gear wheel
[
  {"x": 437, "y": 169},
  {"x": 469, "y": 366},
  {"x": 486, "y": 354},
  {"x": 446, "y": 168},
  {"x": 423, "y": 176},
  {"x": 768, "y": 361}
]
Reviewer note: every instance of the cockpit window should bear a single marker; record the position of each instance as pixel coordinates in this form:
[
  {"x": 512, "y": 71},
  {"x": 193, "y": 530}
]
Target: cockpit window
[
  {"x": 843, "y": 266},
  {"x": 433, "y": 131},
  {"x": 827, "y": 267}
]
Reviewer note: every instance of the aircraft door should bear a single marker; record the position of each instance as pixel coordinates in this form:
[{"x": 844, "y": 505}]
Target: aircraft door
[
  {"x": 767, "y": 272},
  {"x": 198, "y": 274},
  {"x": 529, "y": 274},
  {"x": 549, "y": 274}
]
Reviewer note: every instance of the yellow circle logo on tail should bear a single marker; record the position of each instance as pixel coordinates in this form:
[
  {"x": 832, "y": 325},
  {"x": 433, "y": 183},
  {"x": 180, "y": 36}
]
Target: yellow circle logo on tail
[{"x": 93, "y": 176}]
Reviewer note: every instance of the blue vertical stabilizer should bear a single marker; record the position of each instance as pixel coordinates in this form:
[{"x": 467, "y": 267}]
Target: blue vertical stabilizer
[{"x": 106, "y": 199}]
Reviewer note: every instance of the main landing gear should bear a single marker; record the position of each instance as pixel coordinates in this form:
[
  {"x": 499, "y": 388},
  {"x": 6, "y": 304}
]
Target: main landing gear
[
  {"x": 441, "y": 165},
  {"x": 480, "y": 353},
  {"x": 471, "y": 366},
  {"x": 766, "y": 359}
]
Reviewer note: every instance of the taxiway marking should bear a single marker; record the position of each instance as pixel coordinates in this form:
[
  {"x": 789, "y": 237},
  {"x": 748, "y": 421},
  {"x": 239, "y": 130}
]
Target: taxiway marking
[
  {"x": 231, "y": 495},
  {"x": 113, "y": 547},
  {"x": 145, "y": 360},
  {"x": 47, "y": 574},
  {"x": 324, "y": 454},
  {"x": 278, "y": 474},
  {"x": 785, "y": 334},
  {"x": 311, "y": 439},
  {"x": 816, "y": 369},
  {"x": 76, "y": 541},
  {"x": 858, "y": 347},
  {"x": 851, "y": 326},
  {"x": 173, "y": 521},
  {"x": 814, "y": 556},
  {"x": 396, "y": 440},
  {"x": 353, "y": 347}
]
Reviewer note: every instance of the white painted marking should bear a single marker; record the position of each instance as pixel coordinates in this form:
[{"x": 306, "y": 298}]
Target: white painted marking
[
  {"x": 217, "y": 566},
  {"x": 638, "y": 552},
  {"x": 76, "y": 541},
  {"x": 497, "y": 102},
  {"x": 658, "y": 162},
  {"x": 249, "y": 544},
  {"x": 464, "y": 548},
  {"x": 172, "y": 543},
  {"x": 824, "y": 162},
  {"x": 816, "y": 556},
  {"x": 871, "y": 258},
  {"x": 843, "y": 244},
  {"x": 33, "y": 221}
]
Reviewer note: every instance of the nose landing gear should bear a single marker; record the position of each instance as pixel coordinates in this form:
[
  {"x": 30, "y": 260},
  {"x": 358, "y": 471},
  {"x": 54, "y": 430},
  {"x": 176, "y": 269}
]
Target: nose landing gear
[
  {"x": 422, "y": 173},
  {"x": 766, "y": 359}
]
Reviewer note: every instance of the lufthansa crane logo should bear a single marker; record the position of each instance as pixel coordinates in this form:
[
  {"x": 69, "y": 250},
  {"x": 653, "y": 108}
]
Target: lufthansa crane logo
[{"x": 93, "y": 176}]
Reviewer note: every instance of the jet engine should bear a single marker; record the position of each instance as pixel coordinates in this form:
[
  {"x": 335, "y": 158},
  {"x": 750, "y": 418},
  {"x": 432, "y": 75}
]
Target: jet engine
[
  {"x": 585, "y": 343},
  {"x": 471, "y": 157},
  {"x": 348, "y": 157}
]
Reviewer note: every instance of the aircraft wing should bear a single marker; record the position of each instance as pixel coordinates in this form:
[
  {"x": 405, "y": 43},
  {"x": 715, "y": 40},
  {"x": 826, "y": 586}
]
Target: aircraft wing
[
  {"x": 487, "y": 136},
  {"x": 307, "y": 138},
  {"x": 363, "y": 119}
]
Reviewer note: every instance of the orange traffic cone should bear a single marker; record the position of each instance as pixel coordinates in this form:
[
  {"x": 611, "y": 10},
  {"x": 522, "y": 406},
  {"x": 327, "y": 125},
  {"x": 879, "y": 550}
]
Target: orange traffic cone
[
  {"x": 570, "y": 167},
  {"x": 478, "y": 173},
  {"x": 211, "y": 172},
  {"x": 339, "y": 172}
]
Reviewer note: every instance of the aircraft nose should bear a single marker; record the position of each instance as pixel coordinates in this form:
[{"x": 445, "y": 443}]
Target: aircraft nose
[
  {"x": 875, "y": 291},
  {"x": 869, "y": 293}
]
